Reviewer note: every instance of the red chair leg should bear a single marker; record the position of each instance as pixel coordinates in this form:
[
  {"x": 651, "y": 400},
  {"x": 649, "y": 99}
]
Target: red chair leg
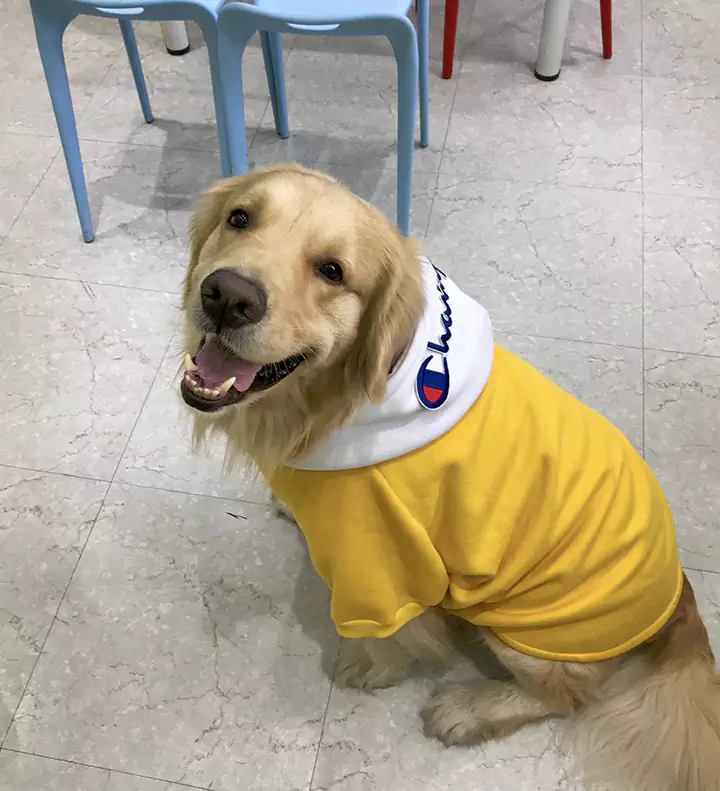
[
  {"x": 451, "y": 18},
  {"x": 606, "y": 24}
]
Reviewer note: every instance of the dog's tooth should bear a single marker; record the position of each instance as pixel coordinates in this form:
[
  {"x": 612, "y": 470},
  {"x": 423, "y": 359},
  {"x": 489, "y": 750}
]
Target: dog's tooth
[
  {"x": 205, "y": 391},
  {"x": 189, "y": 364},
  {"x": 226, "y": 385},
  {"x": 215, "y": 392}
]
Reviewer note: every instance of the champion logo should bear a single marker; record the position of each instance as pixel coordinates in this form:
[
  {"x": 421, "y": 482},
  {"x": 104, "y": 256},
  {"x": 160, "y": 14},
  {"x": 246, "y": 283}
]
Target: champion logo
[{"x": 433, "y": 379}]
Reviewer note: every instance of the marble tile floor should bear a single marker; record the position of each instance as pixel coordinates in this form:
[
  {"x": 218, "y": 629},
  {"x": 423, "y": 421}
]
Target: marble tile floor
[{"x": 160, "y": 628}]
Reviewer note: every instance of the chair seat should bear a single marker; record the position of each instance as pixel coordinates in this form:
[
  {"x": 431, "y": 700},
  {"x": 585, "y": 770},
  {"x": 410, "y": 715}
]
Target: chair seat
[{"x": 326, "y": 11}]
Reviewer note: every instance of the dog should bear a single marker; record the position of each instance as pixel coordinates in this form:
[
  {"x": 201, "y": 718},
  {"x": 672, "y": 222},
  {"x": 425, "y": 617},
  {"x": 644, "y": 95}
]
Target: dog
[{"x": 437, "y": 477}]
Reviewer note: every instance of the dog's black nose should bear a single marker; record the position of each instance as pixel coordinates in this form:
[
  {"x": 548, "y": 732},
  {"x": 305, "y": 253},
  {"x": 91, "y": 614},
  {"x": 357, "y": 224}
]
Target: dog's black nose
[{"x": 231, "y": 300}]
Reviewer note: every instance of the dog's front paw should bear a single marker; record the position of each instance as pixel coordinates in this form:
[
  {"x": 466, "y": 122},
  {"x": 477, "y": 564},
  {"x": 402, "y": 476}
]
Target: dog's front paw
[
  {"x": 356, "y": 668},
  {"x": 454, "y": 717},
  {"x": 281, "y": 509}
]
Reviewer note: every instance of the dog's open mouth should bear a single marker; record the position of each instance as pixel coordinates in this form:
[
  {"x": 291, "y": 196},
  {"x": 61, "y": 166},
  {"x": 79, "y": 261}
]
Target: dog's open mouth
[{"x": 216, "y": 378}]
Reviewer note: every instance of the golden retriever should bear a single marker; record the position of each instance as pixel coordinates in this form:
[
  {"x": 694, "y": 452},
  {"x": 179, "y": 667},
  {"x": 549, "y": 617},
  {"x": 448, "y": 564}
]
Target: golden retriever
[{"x": 306, "y": 297}]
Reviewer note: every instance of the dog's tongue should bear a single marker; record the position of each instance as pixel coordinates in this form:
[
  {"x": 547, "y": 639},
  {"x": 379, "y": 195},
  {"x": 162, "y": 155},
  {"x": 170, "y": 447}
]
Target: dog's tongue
[{"x": 216, "y": 366}]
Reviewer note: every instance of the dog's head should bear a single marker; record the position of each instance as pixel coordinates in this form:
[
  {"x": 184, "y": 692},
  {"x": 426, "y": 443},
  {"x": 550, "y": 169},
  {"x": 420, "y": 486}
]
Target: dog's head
[{"x": 291, "y": 275}]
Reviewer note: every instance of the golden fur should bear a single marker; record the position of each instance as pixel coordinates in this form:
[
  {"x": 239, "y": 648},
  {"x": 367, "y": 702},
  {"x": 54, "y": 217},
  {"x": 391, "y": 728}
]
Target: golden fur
[{"x": 649, "y": 720}]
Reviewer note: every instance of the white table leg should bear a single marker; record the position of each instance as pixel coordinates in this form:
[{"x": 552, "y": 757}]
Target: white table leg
[
  {"x": 552, "y": 39},
  {"x": 176, "y": 37}
]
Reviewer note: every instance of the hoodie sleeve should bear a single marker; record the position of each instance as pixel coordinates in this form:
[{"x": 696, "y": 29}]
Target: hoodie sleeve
[{"x": 377, "y": 559}]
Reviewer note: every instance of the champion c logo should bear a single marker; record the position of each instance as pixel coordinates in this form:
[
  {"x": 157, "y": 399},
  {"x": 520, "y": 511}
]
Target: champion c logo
[
  {"x": 433, "y": 386},
  {"x": 433, "y": 379}
]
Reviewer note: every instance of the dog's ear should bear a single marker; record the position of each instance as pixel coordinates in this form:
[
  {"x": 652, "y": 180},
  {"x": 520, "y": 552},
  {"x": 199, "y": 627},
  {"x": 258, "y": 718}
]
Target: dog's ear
[{"x": 391, "y": 316}]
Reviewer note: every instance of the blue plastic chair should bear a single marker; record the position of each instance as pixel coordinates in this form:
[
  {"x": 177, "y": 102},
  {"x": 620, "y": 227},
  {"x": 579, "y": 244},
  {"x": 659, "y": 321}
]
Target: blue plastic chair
[
  {"x": 52, "y": 17},
  {"x": 237, "y": 22}
]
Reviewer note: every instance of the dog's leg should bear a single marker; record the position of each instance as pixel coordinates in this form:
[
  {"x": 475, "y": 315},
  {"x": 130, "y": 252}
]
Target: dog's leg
[
  {"x": 371, "y": 663},
  {"x": 476, "y": 712},
  {"x": 368, "y": 663},
  {"x": 473, "y": 713},
  {"x": 281, "y": 509}
]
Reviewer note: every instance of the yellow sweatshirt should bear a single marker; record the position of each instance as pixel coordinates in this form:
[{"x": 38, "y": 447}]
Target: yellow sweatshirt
[{"x": 532, "y": 515}]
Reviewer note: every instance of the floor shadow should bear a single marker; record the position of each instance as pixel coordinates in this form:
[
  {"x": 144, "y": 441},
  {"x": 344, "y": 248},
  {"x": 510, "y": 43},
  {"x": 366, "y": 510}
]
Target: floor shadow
[
  {"x": 181, "y": 176},
  {"x": 311, "y": 607},
  {"x": 472, "y": 648}
]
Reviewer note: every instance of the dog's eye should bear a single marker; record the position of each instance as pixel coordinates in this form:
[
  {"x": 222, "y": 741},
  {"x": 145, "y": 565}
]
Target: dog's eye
[
  {"x": 239, "y": 218},
  {"x": 331, "y": 271}
]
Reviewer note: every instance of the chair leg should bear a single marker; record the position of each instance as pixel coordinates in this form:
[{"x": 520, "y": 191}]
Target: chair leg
[
  {"x": 552, "y": 39},
  {"x": 275, "y": 71},
  {"x": 424, "y": 61},
  {"x": 452, "y": 7},
  {"x": 49, "y": 30},
  {"x": 131, "y": 48},
  {"x": 404, "y": 44},
  {"x": 270, "y": 73},
  {"x": 231, "y": 47},
  {"x": 210, "y": 33},
  {"x": 606, "y": 24}
]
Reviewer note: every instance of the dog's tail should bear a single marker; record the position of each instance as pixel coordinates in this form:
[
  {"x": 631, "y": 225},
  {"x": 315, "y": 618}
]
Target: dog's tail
[{"x": 658, "y": 728}]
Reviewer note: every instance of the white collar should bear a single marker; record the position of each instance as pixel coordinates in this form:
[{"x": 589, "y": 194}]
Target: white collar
[{"x": 440, "y": 377}]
